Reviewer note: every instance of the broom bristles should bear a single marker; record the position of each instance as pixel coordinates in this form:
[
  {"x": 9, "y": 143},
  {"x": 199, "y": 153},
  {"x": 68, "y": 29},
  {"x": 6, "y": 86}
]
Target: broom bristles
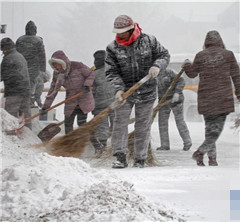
[
  {"x": 70, "y": 144},
  {"x": 106, "y": 154},
  {"x": 73, "y": 143}
]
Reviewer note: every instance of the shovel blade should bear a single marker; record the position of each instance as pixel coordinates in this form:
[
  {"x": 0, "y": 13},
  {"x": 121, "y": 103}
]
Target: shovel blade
[{"x": 49, "y": 132}]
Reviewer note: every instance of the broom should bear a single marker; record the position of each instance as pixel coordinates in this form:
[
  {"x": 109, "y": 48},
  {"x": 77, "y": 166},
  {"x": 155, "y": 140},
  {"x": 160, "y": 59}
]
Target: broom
[
  {"x": 151, "y": 160},
  {"x": 73, "y": 143}
]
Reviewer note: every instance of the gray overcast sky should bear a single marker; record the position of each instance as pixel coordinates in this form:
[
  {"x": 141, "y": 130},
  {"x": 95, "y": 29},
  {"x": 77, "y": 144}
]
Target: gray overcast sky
[{"x": 80, "y": 28}]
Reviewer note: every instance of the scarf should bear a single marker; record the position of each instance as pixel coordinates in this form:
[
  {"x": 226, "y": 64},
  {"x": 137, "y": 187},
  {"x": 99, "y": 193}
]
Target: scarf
[{"x": 136, "y": 33}]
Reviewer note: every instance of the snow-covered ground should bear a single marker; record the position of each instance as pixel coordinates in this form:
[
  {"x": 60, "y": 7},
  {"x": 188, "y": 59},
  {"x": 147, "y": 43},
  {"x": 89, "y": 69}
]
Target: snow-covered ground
[{"x": 40, "y": 187}]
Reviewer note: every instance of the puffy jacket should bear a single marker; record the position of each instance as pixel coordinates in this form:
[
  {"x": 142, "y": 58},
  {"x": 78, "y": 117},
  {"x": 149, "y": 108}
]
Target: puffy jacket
[
  {"x": 32, "y": 48},
  {"x": 75, "y": 76},
  {"x": 126, "y": 65},
  {"x": 14, "y": 74},
  {"x": 165, "y": 79},
  {"x": 216, "y": 67}
]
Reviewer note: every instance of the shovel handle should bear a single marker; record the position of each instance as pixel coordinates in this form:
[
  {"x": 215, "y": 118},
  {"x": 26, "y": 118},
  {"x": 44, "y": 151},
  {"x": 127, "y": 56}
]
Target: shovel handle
[
  {"x": 52, "y": 107},
  {"x": 60, "y": 123}
]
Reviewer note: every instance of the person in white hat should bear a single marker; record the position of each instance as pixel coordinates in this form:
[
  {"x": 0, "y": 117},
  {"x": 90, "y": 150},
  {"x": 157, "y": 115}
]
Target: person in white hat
[{"x": 129, "y": 58}]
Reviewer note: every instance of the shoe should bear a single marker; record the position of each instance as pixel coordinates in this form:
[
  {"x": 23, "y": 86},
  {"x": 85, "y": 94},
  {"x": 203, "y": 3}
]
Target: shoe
[
  {"x": 139, "y": 163},
  {"x": 198, "y": 156},
  {"x": 212, "y": 161},
  {"x": 187, "y": 146},
  {"x": 121, "y": 161},
  {"x": 163, "y": 148}
]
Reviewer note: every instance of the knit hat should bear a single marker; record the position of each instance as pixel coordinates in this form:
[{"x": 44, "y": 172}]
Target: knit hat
[
  {"x": 99, "y": 58},
  {"x": 99, "y": 54},
  {"x": 7, "y": 43},
  {"x": 122, "y": 24}
]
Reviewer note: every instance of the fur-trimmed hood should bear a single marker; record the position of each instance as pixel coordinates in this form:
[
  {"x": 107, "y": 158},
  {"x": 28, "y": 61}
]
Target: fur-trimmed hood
[{"x": 60, "y": 58}]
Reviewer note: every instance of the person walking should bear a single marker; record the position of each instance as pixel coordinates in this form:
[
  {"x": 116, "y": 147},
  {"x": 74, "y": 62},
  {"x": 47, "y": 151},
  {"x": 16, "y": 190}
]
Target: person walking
[
  {"x": 103, "y": 92},
  {"x": 176, "y": 106},
  {"x": 216, "y": 67},
  {"x": 130, "y": 57},
  {"x": 74, "y": 77},
  {"x": 32, "y": 48},
  {"x": 14, "y": 74}
]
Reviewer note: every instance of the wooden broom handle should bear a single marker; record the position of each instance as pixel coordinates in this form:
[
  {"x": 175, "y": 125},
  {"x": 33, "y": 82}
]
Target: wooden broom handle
[
  {"x": 136, "y": 86},
  {"x": 176, "y": 78},
  {"x": 162, "y": 100}
]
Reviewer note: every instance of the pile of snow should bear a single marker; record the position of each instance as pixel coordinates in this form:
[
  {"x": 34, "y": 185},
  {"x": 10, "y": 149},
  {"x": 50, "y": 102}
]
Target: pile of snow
[{"x": 40, "y": 187}]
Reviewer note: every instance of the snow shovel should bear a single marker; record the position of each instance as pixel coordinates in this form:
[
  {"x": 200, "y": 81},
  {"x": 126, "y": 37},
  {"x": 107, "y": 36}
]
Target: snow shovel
[
  {"x": 50, "y": 131},
  {"x": 22, "y": 124}
]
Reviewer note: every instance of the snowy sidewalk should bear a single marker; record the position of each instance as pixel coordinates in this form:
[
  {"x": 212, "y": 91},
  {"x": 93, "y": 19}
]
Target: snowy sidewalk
[{"x": 198, "y": 193}]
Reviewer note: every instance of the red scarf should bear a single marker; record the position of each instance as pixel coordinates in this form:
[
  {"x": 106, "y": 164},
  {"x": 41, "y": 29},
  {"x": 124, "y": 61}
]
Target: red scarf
[{"x": 134, "y": 36}]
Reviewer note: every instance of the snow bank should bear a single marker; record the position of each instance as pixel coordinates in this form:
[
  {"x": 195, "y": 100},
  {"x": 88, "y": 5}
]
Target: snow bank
[{"x": 40, "y": 187}]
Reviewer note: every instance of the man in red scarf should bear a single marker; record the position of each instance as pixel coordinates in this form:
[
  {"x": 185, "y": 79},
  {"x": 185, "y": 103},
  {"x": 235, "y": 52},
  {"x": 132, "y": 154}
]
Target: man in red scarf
[{"x": 129, "y": 58}]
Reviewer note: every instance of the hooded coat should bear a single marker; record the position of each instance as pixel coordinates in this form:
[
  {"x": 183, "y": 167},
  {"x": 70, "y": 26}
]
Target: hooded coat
[
  {"x": 75, "y": 76},
  {"x": 216, "y": 67},
  {"x": 32, "y": 48},
  {"x": 126, "y": 65}
]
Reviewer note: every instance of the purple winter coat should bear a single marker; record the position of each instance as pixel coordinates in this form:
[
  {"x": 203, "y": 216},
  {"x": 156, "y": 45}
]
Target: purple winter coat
[{"x": 75, "y": 76}]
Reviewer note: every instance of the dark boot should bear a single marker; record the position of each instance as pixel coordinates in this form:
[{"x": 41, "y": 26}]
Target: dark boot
[
  {"x": 121, "y": 161},
  {"x": 198, "y": 156},
  {"x": 187, "y": 146},
  {"x": 212, "y": 161},
  {"x": 139, "y": 163},
  {"x": 163, "y": 148}
]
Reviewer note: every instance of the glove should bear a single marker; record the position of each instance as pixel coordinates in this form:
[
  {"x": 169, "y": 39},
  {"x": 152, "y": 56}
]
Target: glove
[
  {"x": 86, "y": 89},
  {"x": 185, "y": 64},
  {"x": 43, "y": 110},
  {"x": 154, "y": 71},
  {"x": 238, "y": 98},
  {"x": 119, "y": 97},
  {"x": 40, "y": 105},
  {"x": 175, "y": 97}
]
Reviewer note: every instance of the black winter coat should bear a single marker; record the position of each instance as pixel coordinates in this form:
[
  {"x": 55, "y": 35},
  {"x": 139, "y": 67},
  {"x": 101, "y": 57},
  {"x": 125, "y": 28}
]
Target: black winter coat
[
  {"x": 126, "y": 65},
  {"x": 14, "y": 74},
  {"x": 32, "y": 48},
  {"x": 103, "y": 90}
]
